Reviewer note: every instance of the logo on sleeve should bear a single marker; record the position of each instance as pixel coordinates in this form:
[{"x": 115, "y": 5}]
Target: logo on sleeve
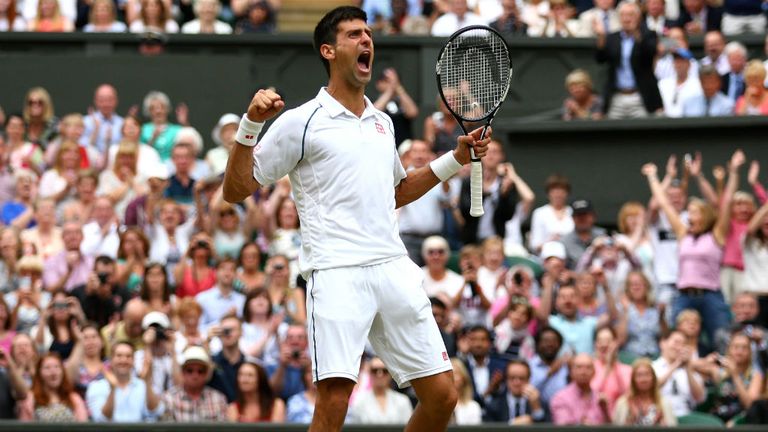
[
  {"x": 445, "y": 356},
  {"x": 380, "y": 128}
]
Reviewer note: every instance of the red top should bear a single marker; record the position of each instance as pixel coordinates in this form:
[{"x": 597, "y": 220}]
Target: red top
[{"x": 189, "y": 287}]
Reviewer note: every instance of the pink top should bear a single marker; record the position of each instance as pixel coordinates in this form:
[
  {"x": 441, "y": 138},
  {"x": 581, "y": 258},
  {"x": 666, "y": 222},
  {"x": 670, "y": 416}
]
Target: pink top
[
  {"x": 732, "y": 249},
  {"x": 741, "y": 103},
  {"x": 500, "y": 303},
  {"x": 570, "y": 407},
  {"x": 700, "y": 259},
  {"x": 189, "y": 287},
  {"x": 614, "y": 385}
]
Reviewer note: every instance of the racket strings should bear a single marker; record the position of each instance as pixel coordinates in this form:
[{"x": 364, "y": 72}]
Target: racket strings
[{"x": 474, "y": 73}]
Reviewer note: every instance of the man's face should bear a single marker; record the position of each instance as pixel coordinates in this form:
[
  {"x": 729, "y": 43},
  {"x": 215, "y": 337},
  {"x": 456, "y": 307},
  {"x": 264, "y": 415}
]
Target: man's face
[
  {"x": 103, "y": 212},
  {"x": 710, "y": 84},
  {"x": 681, "y": 66},
  {"x": 517, "y": 378},
  {"x": 420, "y": 154},
  {"x": 714, "y": 44},
  {"x": 122, "y": 360},
  {"x": 676, "y": 198},
  {"x": 194, "y": 375},
  {"x": 567, "y": 301},
  {"x": 629, "y": 16},
  {"x": 655, "y": 7},
  {"x": 108, "y": 270},
  {"x": 583, "y": 221},
  {"x": 674, "y": 344},
  {"x": 693, "y": 6},
  {"x": 479, "y": 344},
  {"x": 493, "y": 157},
  {"x": 72, "y": 235},
  {"x": 459, "y": 7},
  {"x": 737, "y": 61},
  {"x": 231, "y": 332},
  {"x": 24, "y": 187},
  {"x": 296, "y": 338},
  {"x": 745, "y": 308},
  {"x": 548, "y": 346},
  {"x": 182, "y": 159},
  {"x": 225, "y": 273},
  {"x": 436, "y": 257},
  {"x": 604, "y": 4},
  {"x": 352, "y": 54},
  {"x": 440, "y": 314},
  {"x": 105, "y": 100},
  {"x": 582, "y": 370}
]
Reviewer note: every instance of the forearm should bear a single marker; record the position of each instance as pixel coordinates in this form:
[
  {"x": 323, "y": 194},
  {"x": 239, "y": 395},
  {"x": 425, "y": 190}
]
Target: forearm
[
  {"x": 109, "y": 406},
  {"x": 697, "y": 390},
  {"x": 18, "y": 386},
  {"x": 277, "y": 379},
  {"x": 416, "y": 184},
  {"x": 410, "y": 109},
  {"x": 757, "y": 219},
  {"x": 238, "y": 177},
  {"x": 152, "y": 399},
  {"x": 707, "y": 190},
  {"x": 383, "y": 99}
]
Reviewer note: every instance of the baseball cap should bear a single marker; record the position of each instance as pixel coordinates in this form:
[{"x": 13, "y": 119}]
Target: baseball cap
[
  {"x": 552, "y": 249},
  {"x": 682, "y": 53},
  {"x": 196, "y": 354},
  {"x": 155, "y": 317},
  {"x": 582, "y": 206}
]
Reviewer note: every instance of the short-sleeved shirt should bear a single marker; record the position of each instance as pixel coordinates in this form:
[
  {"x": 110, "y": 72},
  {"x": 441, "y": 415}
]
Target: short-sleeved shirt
[
  {"x": 577, "y": 334},
  {"x": 343, "y": 171}
]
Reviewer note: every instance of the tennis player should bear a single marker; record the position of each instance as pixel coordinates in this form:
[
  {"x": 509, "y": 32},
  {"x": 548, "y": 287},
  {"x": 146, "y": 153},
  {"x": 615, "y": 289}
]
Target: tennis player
[{"x": 347, "y": 180}]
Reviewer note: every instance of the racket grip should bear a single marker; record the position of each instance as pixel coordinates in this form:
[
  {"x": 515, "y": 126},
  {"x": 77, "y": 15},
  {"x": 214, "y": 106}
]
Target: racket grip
[{"x": 476, "y": 190}]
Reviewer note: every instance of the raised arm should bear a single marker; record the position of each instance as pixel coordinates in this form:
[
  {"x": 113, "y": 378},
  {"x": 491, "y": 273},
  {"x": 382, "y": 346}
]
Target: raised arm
[
  {"x": 757, "y": 188},
  {"x": 650, "y": 172},
  {"x": 724, "y": 211},
  {"x": 238, "y": 177},
  {"x": 694, "y": 167}
]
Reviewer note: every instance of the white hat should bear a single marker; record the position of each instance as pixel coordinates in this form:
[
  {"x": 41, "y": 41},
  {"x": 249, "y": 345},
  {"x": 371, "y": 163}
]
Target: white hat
[
  {"x": 226, "y": 119},
  {"x": 552, "y": 249},
  {"x": 196, "y": 354},
  {"x": 156, "y": 317},
  {"x": 160, "y": 171}
]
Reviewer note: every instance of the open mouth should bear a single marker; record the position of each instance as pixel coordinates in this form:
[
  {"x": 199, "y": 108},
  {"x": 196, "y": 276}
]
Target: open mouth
[{"x": 364, "y": 61}]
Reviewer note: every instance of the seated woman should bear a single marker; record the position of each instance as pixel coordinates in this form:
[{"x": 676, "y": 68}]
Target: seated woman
[
  {"x": 24, "y": 355},
  {"x": 643, "y": 405},
  {"x": 589, "y": 302},
  {"x": 86, "y": 364},
  {"x": 121, "y": 183},
  {"x": 582, "y": 102},
  {"x": 156, "y": 291},
  {"x": 256, "y": 402},
  {"x": 58, "y": 183},
  {"x": 513, "y": 338},
  {"x": 154, "y": 16},
  {"x": 640, "y": 323},
  {"x": 206, "y": 22},
  {"x": 259, "y": 339},
  {"x": 249, "y": 272},
  {"x": 103, "y": 19},
  {"x": 188, "y": 313},
  {"x": 132, "y": 258},
  {"x": 53, "y": 397},
  {"x": 29, "y": 300},
  {"x": 195, "y": 274},
  {"x": 50, "y": 19},
  {"x": 612, "y": 377},
  {"x": 738, "y": 382},
  {"x": 755, "y": 98}
]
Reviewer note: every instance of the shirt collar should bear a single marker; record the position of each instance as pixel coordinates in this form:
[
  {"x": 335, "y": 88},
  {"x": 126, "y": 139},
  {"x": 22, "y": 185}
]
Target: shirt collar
[{"x": 335, "y": 108}]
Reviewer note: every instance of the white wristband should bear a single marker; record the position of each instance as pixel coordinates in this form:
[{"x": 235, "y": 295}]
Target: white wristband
[
  {"x": 248, "y": 132},
  {"x": 445, "y": 167}
]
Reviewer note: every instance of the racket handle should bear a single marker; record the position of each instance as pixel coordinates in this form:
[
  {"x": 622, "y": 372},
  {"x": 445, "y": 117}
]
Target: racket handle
[{"x": 476, "y": 190}]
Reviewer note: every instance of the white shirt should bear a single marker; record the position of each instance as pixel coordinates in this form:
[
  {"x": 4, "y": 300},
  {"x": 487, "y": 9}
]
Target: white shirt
[
  {"x": 722, "y": 65},
  {"x": 673, "y": 95},
  {"x": 480, "y": 374},
  {"x": 450, "y": 284},
  {"x": 545, "y": 224},
  {"x": 139, "y": 27},
  {"x": 513, "y": 233},
  {"x": 755, "y": 266},
  {"x": 95, "y": 244},
  {"x": 215, "y": 305},
  {"x": 425, "y": 215},
  {"x": 468, "y": 413},
  {"x": 448, "y": 23},
  {"x": 219, "y": 27},
  {"x": 146, "y": 163},
  {"x": 664, "y": 241},
  {"x": 366, "y": 409},
  {"x": 489, "y": 10},
  {"x": 677, "y": 389},
  {"x": 130, "y": 402},
  {"x": 665, "y": 68},
  {"x": 343, "y": 179}
]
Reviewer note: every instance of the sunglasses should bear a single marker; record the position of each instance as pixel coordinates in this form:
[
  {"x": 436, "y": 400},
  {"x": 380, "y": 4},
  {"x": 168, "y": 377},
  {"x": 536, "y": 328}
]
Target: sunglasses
[
  {"x": 379, "y": 371},
  {"x": 35, "y": 102},
  {"x": 196, "y": 371}
]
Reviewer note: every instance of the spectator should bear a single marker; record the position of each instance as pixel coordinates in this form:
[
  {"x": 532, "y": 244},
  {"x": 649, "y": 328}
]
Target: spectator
[
  {"x": 367, "y": 408},
  {"x": 467, "y": 411},
  {"x": 289, "y": 302},
  {"x": 53, "y": 398},
  {"x": 440, "y": 312},
  {"x": 714, "y": 47},
  {"x": 281, "y": 227},
  {"x": 131, "y": 258},
  {"x": 249, "y": 275},
  {"x": 733, "y": 81},
  {"x": 255, "y": 400},
  {"x": 577, "y": 404},
  {"x": 711, "y": 102},
  {"x": 129, "y": 328},
  {"x": 206, "y": 22},
  {"x": 586, "y": 288},
  {"x": 743, "y": 17},
  {"x": 688, "y": 322},
  {"x": 301, "y": 407},
  {"x": 286, "y": 376},
  {"x": 458, "y": 17},
  {"x": 29, "y": 299},
  {"x": 101, "y": 236},
  {"x": 122, "y": 183},
  {"x": 156, "y": 291},
  {"x": 578, "y": 331},
  {"x": 147, "y": 158},
  {"x": 71, "y": 128},
  {"x": 509, "y": 22},
  {"x": 20, "y": 152},
  {"x": 473, "y": 301},
  {"x": 755, "y": 244},
  {"x": 634, "y": 235},
  {"x": 740, "y": 211},
  {"x": 552, "y": 221},
  {"x": 59, "y": 325},
  {"x": 229, "y": 228},
  {"x": 534, "y": 14},
  {"x": 559, "y": 22},
  {"x": 520, "y": 403},
  {"x": 192, "y": 401},
  {"x": 19, "y": 212},
  {"x": 159, "y": 132},
  {"x": 14, "y": 389},
  {"x": 224, "y": 137},
  {"x": 679, "y": 383},
  {"x": 643, "y": 404},
  {"x": 665, "y": 65},
  {"x": 641, "y": 322},
  {"x": 441, "y": 129},
  {"x": 582, "y": 103},
  {"x": 698, "y": 18},
  {"x": 6, "y": 175},
  {"x": 86, "y": 364},
  {"x": 103, "y": 126},
  {"x": 738, "y": 383},
  {"x": 10, "y": 253},
  {"x": 181, "y": 185},
  {"x": 698, "y": 280},
  {"x": 601, "y": 18},
  {"x": 50, "y": 19},
  {"x": 439, "y": 281},
  {"x": 655, "y": 17},
  {"x": 45, "y": 237},
  {"x": 259, "y": 339},
  {"x": 485, "y": 369},
  {"x": 755, "y": 98},
  {"x": 80, "y": 209},
  {"x": 745, "y": 311},
  {"x": 7, "y": 331},
  {"x": 10, "y": 19},
  {"x": 122, "y": 396},
  {"x": 102, "y": 18},
  {"x": 170, "y": 240},
  {"x": 513, "y": 338},
  {"x": 259, "y": 18},
  {"x": 490, "y": 273},
  {"x": 139, "y": 212},
  {"x": 584, "y": 233},
  {"x": 229, "y": 357},
  {"x": 188, "y": 312},
  {"x": 68, "y": 268},
  {"x": 631, "y": 88},
  {"x": 158, "y": 356},
  {"x": 24, "y": 355},
  {"x": 58, "y": 182},
  {"x": 612, "y": 378},
  {"x": 101, "y": 297},
  {"x": 221, "y": 299},
  {"x": 397, "y": 103},
  {"x": 676, "y": 89},
  {"x": 154, "y": 16}
]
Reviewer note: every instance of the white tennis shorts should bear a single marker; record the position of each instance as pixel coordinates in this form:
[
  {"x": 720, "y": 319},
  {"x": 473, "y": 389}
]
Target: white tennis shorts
[{"x": 384, "y": 302}]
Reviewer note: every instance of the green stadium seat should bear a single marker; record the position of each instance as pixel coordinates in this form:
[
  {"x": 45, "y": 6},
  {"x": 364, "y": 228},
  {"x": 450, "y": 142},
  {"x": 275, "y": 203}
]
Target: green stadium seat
[
  {"x": 699, "y": 419},
  {"x": 627, "y": 358}
]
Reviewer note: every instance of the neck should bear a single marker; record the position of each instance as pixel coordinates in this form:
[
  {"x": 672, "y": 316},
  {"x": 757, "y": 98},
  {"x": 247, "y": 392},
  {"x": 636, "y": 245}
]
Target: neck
[
  {"x": 379, "y": 391},
  {"x": 232, "y": 353},
  {"x": 352, "y": 98},
  {"x": 250, "y": 397},
  {"x": 225, "y": 289},
  {"x": 585, "y": 388},
  {"x": 194, "y": 392},
  {"x": 123, "y": 379},
  {"x": 437, "y": 273}
]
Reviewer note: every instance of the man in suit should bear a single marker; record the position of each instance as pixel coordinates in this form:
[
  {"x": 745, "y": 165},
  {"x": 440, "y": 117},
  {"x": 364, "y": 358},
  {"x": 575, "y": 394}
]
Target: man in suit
[
  {"x": 602, "y": 15},
  {"x": 698, "y": 18},
  {"x": 486, "y": 371},
  {"x": 733, "y": 81},
  {"x": 631, "y": 88},
  {"x": 520, "y": 402}
]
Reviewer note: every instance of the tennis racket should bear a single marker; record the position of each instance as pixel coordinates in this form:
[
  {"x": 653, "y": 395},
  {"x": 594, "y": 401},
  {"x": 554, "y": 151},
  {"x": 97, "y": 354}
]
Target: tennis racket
[{"x": 473, "y": 74}]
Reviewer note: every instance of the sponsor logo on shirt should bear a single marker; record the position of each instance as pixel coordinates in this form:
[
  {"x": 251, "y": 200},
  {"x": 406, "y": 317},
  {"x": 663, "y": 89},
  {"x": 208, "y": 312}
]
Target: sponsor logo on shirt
[{"x": 380, "y": 128}]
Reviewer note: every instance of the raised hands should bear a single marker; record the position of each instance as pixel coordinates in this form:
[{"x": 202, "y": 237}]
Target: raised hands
[{"x": 265, "y": 105}]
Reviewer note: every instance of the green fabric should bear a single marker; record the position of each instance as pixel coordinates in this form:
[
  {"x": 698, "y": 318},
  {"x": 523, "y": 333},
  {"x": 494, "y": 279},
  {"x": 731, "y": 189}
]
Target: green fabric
[{"x": 699, "y": 419}]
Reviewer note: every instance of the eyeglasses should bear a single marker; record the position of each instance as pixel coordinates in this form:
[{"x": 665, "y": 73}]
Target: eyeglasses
[
  {"x": 197, "y": 371},
  {"x": 517, "y": 378},
  {"x": 35, "y": 102},
  {"x": 436, "y": 252},
  {"x": 379, "y": 371}
]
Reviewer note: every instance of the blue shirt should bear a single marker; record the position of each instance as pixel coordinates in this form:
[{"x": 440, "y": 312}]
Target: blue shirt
[
  {"x": 130, "y": 402},
  {"x": 110, "y": 131},
  {"x": 215, "y": 305},
  {"x": 178, "y": 192},
  {"x": 625, "y": 78},
  {"x": 577, "y": 334},
  {"x": 547, "y": 386},
  {"x": 299, "y": 410},
  {"x": 293, "y": 380},
  {"x": 696, "y": 106},
  {"x": 11, "y": 210}
]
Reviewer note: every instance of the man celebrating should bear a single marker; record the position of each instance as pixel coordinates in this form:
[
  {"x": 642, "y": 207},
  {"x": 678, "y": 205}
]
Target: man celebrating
[{"x": 339, "y": 152}]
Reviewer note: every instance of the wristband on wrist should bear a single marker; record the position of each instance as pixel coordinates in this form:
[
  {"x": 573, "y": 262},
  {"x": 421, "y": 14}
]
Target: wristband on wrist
[
  {"x": 445, "y": 167},
  {"x": 248, "y": 131}
]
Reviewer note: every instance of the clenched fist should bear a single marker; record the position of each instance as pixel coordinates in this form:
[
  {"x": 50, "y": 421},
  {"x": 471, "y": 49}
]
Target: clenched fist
[{"x": 265, "y": 105}]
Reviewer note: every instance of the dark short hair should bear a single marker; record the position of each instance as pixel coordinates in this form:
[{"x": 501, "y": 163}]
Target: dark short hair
[
  {"x": 123, "y": 342},
  {"x": 520, "y": 362},
  {"x": 481, "y": 328},
  {"x": 103, "y": 260},
  {"x": 708, "y": 70},
  {"x": 552, "y": 330},
  {"x": 437, "y": 302},
  {"x": 226, "y": 260},
  {"x": 557, "y": 181},
  {"x": 325, "y": 31}
]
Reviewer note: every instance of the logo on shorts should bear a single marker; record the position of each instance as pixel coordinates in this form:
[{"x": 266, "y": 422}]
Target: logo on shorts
[
  {"x": 445, "y": 356},
  {"x": 380, "y": 128}
]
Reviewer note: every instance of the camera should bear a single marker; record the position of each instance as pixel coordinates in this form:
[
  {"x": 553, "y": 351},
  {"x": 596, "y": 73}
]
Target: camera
[
  {"x": 60, "y": 305},
  {"x": 102, "y": 277},
  {"x": 226, "y": 331},
  {"x": 518, "y": 278},
  {"x": 159, "y": 332},
  {"x": 201, "y": 244},
  {"x": 295, "y": 355}
]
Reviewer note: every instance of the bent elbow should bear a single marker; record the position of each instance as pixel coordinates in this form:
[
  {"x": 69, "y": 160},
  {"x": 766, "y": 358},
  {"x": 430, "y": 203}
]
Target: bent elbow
[{"x": 231, "y": 194}]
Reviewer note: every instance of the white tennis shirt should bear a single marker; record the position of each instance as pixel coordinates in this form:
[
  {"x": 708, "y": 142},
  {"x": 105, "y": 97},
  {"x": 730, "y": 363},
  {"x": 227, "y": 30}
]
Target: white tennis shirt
[{"x": 343, "y": 172}]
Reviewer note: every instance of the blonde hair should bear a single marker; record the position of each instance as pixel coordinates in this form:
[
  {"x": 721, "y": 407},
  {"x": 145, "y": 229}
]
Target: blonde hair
[
  {"x": 109, "y": 3},
  {"x": 41, "y": 93},
  {"x": 493, "y": 242},
  {"x": 66, "y": 146},
  {"x": 579, "y": 76},
  {"x": 630, "y": 208},
  {"x": 633, "y": 392},
  {"x": 686, "y": 315},
  {"x": 646, "y": 282},
  {"x": 465, "y": 394},
  {"x": 754, "y": 71},
  {"x": 708, "y": 214},
  {"x": 126, "y": 148}
]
